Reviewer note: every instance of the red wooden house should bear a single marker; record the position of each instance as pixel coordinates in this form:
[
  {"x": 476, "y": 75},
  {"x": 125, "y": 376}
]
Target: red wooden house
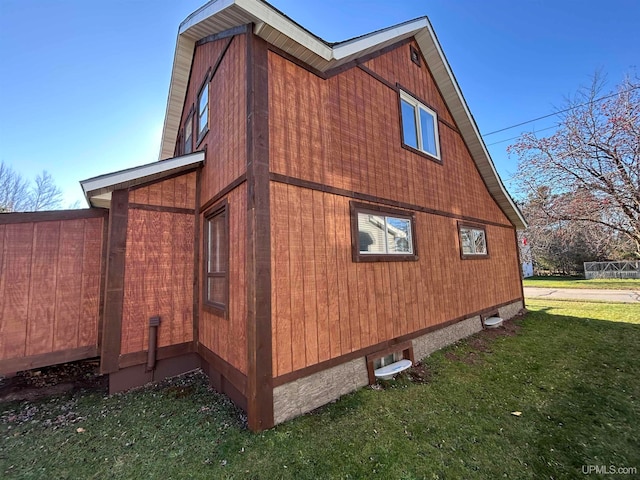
[{"x": 319, "y": 209}]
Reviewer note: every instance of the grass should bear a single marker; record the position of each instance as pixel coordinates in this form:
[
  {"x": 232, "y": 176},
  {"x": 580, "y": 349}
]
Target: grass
[
  {"x": 572, "y": 372},
  {"x": 577, "y": 282}
]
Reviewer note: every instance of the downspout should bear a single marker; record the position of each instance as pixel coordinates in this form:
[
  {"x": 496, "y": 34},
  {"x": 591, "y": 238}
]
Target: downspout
[{"x": 154, "y": 323}]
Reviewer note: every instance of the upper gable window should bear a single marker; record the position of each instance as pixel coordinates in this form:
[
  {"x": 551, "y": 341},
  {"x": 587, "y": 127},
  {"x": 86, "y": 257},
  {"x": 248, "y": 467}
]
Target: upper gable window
[
  {"x": 188, "y": 135},
  {"x": 419, "y": 126},
  {"x": 203, "y": 110}
]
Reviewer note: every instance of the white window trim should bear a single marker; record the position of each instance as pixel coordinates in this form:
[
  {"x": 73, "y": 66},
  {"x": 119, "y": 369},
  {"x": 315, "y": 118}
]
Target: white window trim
[
  {"x": 417, "y": 107},
  {"x": 203, "y": 112},
  {"x": 388, "y": 228}
]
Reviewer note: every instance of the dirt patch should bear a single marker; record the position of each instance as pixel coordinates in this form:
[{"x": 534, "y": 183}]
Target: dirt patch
[
  {"x": 419, "y": 373},
  {"x": 53, "y": 381},
  {"x": 482, "y": 341}
]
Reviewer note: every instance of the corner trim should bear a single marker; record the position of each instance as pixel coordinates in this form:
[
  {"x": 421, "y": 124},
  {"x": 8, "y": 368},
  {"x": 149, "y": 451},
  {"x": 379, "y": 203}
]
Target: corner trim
[
  {"x": 114, "y": 288},
  {"x": 259, "y": 342}
]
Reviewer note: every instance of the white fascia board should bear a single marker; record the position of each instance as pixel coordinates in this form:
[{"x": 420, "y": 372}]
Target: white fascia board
[
  {"x": 404, "y": 30},
  {"x": 207, "y": 10},
  {"x": 475, "y": 136},
  {"x": 175, "y": 98},
  {"x": 265, "y": 14},
  {"x": 130, "y": 174}
]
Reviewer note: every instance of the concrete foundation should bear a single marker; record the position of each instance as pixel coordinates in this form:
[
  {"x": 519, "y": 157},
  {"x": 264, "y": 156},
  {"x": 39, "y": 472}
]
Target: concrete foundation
[{"x": 305, "y": 394}]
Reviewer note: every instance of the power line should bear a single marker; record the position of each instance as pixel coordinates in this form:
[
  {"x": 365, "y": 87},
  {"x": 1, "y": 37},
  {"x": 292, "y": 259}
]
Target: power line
[
  {"x": 518, "y": 136},
  {"x": 558, "y": 112}
]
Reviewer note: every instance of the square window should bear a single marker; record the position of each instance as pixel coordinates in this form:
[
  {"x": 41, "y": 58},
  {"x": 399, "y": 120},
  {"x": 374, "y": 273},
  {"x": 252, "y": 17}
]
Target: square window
[
  {"x": 381, "y": 234},
  {"x": 216, "y": 258},
  {"x": 473, "y": 241},
  {"x": 419, "y": 126}
]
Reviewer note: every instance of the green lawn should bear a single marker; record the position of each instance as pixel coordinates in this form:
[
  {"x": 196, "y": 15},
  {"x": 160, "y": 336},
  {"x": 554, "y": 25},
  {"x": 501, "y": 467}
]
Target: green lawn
[
  {"x": 577, "y": 282},
  {"x": 572, "y": 371}
]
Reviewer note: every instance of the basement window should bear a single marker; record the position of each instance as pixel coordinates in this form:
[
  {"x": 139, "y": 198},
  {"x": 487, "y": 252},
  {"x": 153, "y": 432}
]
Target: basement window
[
  {"x": 382, "y": 234},
  {"x": 419, "y": 126},
  {"x": 473, "y": 241},
  {"x": 216, "y": 257}
]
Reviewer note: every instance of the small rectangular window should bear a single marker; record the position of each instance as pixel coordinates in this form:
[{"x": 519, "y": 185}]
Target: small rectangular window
[
  {"x": 203, "y": 110},
  {"x": 216, "y": 258},
  {"x": 379, "y": 234},
  {"x": 473, "y": 241},
  {"x": 419, "y": 126},
  {"x": 188, "y": 135}
]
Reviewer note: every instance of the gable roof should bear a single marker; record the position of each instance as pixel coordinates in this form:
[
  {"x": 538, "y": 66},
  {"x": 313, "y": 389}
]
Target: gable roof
[
  {"x": 97, "y": 190},
  {"x": 277, "y": 29}
]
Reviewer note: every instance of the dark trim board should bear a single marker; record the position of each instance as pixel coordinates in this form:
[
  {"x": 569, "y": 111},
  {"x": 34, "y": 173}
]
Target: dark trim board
[
  {"x": 298, "y": 182},
  {"x": 137, "y": 375},
  {"x": 259, "y": 342},
  {"x": 224, "y": 192},
  {"x": 13, "y": 365},
  {"x": 391, "y": 344},
  {"x": 170, "y": 351},
  {"x": 160, "y": 208},
  {"x": 224, "y": 377},
  {"x": 196, "y": 260},
  {"x": 342, "y": 68},
  {"x": 114, "y": 288},
  {"x": 52, "y": 216},
  {"x": 226, "y": 34}
]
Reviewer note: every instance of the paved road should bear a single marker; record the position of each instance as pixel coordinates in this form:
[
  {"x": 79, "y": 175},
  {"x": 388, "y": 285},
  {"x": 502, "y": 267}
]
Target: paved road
[{"x": 625, "y": 296}]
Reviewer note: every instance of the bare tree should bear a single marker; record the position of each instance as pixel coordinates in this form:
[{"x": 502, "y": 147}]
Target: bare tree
[
  {"x": 14, "y": 190},
  {"x": 18, "y": 195},
  {"x": 45, "y": 195},
  {"x": 562, "y": 246},
  {"x": 591, "y": 165}
]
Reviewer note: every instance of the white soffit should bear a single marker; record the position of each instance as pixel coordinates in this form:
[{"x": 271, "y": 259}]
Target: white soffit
[
  {"x": 220, "y": 15},
  {"x": 97, "y": 190}
]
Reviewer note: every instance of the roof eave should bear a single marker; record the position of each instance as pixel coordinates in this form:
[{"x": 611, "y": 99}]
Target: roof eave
[
  {"x": 276, "y": 28},
  {"x": 97, "y": 190}
]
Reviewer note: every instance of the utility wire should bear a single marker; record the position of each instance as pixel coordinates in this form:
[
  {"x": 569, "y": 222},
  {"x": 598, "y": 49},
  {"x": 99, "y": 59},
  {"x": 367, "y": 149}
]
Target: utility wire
[
  {"x": 558, "y": 112},
  {"x": 513, "y": 138}
]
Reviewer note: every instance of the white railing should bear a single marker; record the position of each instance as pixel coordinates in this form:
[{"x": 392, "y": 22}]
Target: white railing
[{"x": 626, "y": 269}]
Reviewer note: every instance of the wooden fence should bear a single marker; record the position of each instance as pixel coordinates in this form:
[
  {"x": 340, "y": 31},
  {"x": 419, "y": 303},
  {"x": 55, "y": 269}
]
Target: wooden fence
[
  {"x": 626, "y": 269},
  {"x": 50, "y": 283}
]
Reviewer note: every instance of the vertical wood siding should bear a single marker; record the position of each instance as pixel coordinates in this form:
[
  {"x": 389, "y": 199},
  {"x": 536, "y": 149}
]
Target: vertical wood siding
[
  {"x": 226, "y": 140},
  {"x": 177, "y": 192},
  {"x": 158, "y": 279},
  {"x": 49, "y": 286},
  {"x": 345, "y": 132},
  {"x": 227, "y": 337},
  {"x": 325, "y": 305}
]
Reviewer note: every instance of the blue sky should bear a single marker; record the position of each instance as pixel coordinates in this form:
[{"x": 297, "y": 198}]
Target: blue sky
[{"x": 84, "y": 83}]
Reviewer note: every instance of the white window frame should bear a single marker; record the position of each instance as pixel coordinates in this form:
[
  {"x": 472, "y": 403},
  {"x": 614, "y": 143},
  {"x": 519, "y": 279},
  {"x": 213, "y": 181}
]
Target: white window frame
[
  {"x": 203, "y": 112},
  {"x": 382, "y": 214},
  {"x": 474, "y": 231},
  {"x": 188, "y": 135},
  {"x": 417, "y": 106}
]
